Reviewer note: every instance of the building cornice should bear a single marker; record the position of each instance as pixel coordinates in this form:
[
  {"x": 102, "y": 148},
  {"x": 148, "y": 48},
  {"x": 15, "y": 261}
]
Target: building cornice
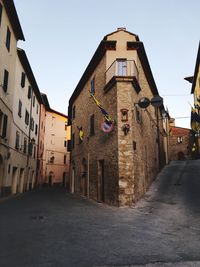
[
  {"x": 14, "y": 19},
  {"x": 196, "y": 70},
  {"x": 27, "y": 68}
]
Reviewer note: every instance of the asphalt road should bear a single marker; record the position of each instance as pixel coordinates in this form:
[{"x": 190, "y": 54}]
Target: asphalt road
[{"x": 50, "y": 228}]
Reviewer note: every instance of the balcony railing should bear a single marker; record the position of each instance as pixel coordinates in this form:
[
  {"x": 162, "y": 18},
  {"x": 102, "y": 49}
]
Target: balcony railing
[{"x": 126, "y": 68}]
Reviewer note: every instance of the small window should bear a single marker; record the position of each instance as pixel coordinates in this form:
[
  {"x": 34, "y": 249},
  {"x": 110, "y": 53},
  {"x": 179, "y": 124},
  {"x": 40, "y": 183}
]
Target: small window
[
  {"x": 37, "y": 110},
  {"x": 1, "y": 121},
  {"x": 138, "y": 115},
  {"x": 73, "y": 112},
  {"x": 8, "y": 37},
  {"x": 1, "y": 8},
  {"x": 17, "y": 140},
  {"x": 65, "y": 143},
  {"x": 134, "y": 145},
  {"x": 121, "y": 67},
  {"x": 180, "y": 139},
  {"x": 92, "y": 86},
  {"x": 5, "y": 122},
  {"x": 36, "y": 129},
  {"x": 25, "y": 145},
  {"x": 29, "y": 92},
  {"x": 92, "y": 128},
  {"x": 33, "y": 101},
  {"x": 5, "y": 80},
  {"x": 27, "y": 118},
  {"x": 32, "y": 124},
  {"x": 65, "y": 159},
  {"x": 23, "y": 79},
  {"x": 20, "y": 109}
]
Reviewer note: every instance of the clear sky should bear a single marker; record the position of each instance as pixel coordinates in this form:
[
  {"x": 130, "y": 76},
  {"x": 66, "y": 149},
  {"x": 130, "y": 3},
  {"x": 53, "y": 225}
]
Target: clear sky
[{"x": 61, "y": 37}]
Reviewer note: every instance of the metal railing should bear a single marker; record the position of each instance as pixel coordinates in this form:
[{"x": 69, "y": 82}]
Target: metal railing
[{"x": 122, "y": 68}]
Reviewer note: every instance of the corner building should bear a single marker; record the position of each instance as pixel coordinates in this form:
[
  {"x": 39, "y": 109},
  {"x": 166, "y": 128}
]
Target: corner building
[{"x": 115, "y": 167}]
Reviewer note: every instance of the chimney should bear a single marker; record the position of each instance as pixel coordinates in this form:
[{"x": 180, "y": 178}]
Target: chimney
[{"x": 121, "y": 29}]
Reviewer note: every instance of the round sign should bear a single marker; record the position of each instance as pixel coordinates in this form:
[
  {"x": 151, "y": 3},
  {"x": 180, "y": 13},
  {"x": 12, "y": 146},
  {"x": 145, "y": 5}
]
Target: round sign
[
  {"x": 157, "y": 101},
  {"x": 107, "y": 127},
  {"x": 143, "y": 102}
]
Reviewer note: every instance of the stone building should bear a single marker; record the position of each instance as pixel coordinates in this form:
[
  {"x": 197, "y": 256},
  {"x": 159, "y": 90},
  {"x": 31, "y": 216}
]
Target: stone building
[
  {"x": 115, "y": 166},
  {"x": 55, "y": 157},
  {"x": 179, "y": 143},
  {"x": 195, "y": 90}
]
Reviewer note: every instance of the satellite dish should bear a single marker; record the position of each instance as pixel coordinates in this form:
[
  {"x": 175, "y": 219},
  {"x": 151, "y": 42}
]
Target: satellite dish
[
  {"x": 157, "y": 101},
  {"x": 107, "y": 127},
  {"x": 144, "y": 102}
]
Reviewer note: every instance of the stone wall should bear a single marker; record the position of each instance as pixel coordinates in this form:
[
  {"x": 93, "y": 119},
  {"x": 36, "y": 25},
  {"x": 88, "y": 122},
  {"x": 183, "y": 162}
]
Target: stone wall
[{"x": 101, "y": 146}]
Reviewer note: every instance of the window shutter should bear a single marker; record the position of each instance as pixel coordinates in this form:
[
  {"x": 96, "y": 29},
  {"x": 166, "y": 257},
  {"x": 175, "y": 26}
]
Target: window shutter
[
  {"x": 5, "y": 81},
  {"x": 5, "y": 122},
  {"x": 23, "y": 78},
  {"x": 8, "y": 36}
]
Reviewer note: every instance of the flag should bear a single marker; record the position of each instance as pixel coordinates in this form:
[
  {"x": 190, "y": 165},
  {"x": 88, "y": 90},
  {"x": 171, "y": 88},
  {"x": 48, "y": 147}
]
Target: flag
[
  {"x": 81, "y": 133},
  {"x": 195, "y": 121},
  {"x": 104, "y": 112}
]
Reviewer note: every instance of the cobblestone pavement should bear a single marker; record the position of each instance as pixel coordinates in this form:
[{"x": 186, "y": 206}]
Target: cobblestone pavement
[{"x": 50, "y": 228}]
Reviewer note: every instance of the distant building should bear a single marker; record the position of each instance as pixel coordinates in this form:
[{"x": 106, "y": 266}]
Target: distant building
[
  {"x": 55, "y": 157},
  {"x": 179, "y": 143},
  {"x": 115, "y": 163}
]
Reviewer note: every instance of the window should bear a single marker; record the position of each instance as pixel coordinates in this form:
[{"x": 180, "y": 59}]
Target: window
[
  {"x": 29, "y": 92},
  {"x": 65, "y": 143},
  {"x": 66, "y": 126},
  {"x": 1, "y": 121},
  {"x": 92, "y": 86},
  {"x": 27, "y": 118},
  {"x": 25, "y": 145},
  {"x": 5, "y": 122},
  {"x": 92, "y": 131},
  {"x": 73, "y": 112},
  {"x": 36, "y": 129},
  {"x": 65, "y": 159},
  {"x": 23, "y": 79},
  {"x": 121, "y": 67},
  {"x": 30, "y": 149},
  {"x": 138, "y": 115},
  {"x": 1, "y": 8},
  {"x": 180, "y": 139},
  {"x": 33, "y": 101},
  {"x": 5, "y": 80},
  {"x": 37, "y": 110},
  {"x": 20, "y": 109},
  {"x": 8, "y": 37},
  {"x": 17, "y": 140},
  {"x": 32, "y": 124}
]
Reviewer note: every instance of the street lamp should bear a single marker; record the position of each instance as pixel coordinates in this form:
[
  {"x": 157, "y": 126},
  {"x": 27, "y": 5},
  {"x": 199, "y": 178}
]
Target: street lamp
[{"x": 156, "y": 101}]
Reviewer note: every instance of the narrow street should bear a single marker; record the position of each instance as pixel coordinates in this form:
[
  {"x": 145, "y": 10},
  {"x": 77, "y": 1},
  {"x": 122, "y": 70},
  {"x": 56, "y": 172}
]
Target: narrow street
[{"x": 50, "y": 228}]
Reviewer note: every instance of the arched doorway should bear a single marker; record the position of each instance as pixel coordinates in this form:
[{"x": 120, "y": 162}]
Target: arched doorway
[
  {"x": 50, "y": 178},
  {"x": 83, "y": 182}
]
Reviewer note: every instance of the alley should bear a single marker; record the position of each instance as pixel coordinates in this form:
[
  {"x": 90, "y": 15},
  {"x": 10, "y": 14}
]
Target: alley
[{"x": 49, "y": 228}]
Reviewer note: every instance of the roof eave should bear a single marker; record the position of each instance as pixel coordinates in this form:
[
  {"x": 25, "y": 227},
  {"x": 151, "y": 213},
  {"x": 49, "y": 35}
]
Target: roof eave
[{"x": 14, "y": 19}]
